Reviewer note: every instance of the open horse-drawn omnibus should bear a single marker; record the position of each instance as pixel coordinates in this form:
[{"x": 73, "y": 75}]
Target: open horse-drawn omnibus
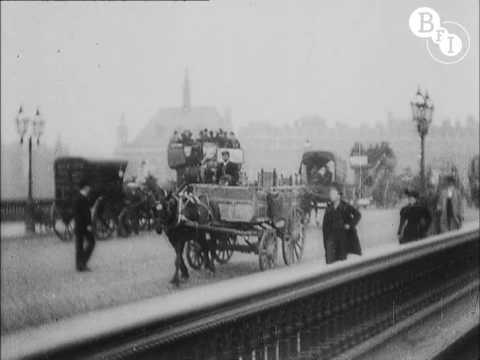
[
  {"x": 318, "y": 170},
  {"x": 250, "y": 219}
]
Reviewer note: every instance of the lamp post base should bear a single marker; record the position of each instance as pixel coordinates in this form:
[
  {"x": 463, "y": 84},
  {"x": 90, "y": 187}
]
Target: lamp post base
[{"x": 29, "y": 222}]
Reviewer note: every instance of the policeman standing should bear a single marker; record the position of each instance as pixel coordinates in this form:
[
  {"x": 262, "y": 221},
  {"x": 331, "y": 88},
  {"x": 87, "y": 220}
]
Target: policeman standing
[
  {"x": 415, "y": 219},
  {"x": 84, "y": 240}
]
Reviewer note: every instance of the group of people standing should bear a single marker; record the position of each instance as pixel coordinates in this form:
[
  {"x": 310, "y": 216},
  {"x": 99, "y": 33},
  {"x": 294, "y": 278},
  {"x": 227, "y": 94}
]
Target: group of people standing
[
  {"x": 416, "y": 219},
  {"x": 222, "y": 138}
]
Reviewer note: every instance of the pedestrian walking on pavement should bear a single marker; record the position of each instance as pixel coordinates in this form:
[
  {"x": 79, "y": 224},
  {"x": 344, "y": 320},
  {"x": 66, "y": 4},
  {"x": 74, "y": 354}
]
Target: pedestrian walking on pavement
[
  {"x": 339, "y": 227},
  {"x": 84, "y": 239},
  {"x": 415, "y": 219},
  {"x": 450, "y": 207}
]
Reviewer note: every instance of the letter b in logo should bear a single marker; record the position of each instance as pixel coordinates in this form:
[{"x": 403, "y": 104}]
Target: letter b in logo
[{"x": 423, "y": 22}]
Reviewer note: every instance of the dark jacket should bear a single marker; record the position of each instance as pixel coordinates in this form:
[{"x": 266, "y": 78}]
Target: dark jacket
[
  {"x": 81, "y": 213},
  {"x": 229, "y": 169},
  {"x": 414, "y": 222},
  {"x": 334, "y": 222}
]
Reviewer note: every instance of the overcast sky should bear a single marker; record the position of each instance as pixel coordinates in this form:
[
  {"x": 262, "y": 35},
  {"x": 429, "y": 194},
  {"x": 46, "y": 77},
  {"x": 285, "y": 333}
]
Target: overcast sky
[{"x": 86, "y": 63}]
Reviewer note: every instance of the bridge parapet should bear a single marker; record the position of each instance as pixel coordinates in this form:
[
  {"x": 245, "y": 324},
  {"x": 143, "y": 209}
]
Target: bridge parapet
[{"x": 352, "y": 300}]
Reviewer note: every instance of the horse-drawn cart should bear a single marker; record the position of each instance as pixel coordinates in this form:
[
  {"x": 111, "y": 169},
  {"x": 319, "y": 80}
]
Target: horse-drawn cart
[
  {"x": 250, "y": 220},
  {"x": 106, "y": 179}
]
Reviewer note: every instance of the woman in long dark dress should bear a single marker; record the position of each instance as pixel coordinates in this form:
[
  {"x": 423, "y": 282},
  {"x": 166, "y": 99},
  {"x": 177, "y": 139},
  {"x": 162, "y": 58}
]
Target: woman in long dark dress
[{"x": 415, "y": 219}]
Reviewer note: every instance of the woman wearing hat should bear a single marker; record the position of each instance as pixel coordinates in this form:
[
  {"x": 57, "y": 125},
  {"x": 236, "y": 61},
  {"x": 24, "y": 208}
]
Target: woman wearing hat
[{"x": 415, "y": 219}]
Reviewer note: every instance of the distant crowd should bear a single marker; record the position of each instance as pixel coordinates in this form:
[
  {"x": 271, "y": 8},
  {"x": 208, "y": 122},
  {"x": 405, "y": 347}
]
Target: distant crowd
[{"x": 222, "y": 138}]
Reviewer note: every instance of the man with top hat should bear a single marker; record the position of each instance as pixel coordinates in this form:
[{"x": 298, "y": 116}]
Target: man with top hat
[{"x": 415, "y": 219}]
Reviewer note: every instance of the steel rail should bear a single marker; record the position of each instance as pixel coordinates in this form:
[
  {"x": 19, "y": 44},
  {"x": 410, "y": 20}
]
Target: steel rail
[{"x": 198, "y": 309}]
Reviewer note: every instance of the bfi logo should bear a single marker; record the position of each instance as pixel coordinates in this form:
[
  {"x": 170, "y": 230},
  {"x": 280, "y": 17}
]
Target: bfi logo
[{"x": 447, "y": 42}]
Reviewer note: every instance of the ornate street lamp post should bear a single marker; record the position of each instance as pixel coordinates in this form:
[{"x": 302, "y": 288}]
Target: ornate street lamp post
[
  {"x": 31, "y": 128},
  {"x": 422, "y": 112}
]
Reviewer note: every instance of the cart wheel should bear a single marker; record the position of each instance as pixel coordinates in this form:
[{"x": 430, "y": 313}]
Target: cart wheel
[
  {"x": 267, "y": 250},
  {"x": 103, "y": 220},
  {"x": 62, "y": 227},
  {"x": 195, "y": 256},
  {"x": 294, "y": 240},
  {"x": 224, "y": 248}
]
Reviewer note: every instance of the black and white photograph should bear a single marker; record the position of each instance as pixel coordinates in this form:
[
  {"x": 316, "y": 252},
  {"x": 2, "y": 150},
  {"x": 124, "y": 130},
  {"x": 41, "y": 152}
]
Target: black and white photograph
[{"x": 240, "y": 180}]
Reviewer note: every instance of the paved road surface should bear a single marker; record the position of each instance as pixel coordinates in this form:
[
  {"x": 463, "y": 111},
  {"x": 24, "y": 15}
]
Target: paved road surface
[{"x": 39, "y": 283}]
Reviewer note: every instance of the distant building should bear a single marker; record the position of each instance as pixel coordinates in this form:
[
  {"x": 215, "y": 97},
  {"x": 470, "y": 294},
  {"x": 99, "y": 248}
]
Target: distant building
[
  {"x": 281, "y": 147},
  {"x": 151, "y": 142}
]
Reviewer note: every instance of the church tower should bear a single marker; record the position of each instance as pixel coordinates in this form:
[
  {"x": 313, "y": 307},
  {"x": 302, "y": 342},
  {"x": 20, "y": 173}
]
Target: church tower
[
  {"x": 186, "y": 92},
  {"x": 122, "y": 132}
]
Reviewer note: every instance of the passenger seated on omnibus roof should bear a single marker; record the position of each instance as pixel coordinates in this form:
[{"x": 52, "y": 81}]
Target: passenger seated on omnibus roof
[
  {"x": 232, "y": 141},
  {"x": 322, "y": 176},
  {"x": 175, "y": 138},
  {"x": 325, "y": 176}
]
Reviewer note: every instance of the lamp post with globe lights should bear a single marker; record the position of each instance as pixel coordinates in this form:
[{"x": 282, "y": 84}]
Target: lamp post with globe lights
[
  {"x": 422, "y": 113},
  {"x": 31, "y": 129}
]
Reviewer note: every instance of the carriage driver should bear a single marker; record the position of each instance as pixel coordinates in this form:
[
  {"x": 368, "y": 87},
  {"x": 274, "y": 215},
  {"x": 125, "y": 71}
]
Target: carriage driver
[{"x": 227, "y": 170}]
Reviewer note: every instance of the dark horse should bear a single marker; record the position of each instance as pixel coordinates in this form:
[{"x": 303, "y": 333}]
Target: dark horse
[{"x": 171, "y": 213}]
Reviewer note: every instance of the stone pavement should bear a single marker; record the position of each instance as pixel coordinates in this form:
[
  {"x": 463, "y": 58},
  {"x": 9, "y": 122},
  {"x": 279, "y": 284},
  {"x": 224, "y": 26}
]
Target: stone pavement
[{"x": 12, "y": 229}]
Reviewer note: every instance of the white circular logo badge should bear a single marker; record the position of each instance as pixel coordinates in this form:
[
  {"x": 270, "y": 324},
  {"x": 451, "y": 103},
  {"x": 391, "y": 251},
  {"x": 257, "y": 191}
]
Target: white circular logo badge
[{"x": 447, "y": 42}]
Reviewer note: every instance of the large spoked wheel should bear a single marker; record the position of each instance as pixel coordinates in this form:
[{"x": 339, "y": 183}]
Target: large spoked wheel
[
  {"x": 195, "y": 257},
  {"x": 224, "y": 248},
  {"x": 103, "y": 220},
  {"x": 267, "y": 250},
  {"x": 62, "y": 226},
  {"x": 293, "y": 241}
]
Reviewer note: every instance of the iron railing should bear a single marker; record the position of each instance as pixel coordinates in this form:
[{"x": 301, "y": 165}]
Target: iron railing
[{"x": 14, "y": 210}]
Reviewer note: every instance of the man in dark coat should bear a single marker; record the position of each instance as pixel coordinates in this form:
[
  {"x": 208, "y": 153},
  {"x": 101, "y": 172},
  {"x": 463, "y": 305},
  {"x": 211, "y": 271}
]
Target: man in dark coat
[
  {"x": 339, "y": 233},
  {"x": 227, "y": 169},
  {"x": 415, "y": 219},
  {"x": 84, "y": 240}
]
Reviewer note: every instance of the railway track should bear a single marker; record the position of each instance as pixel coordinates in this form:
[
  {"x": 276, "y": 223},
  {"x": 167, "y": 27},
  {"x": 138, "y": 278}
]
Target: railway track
[{"x": 302, "y": 312}]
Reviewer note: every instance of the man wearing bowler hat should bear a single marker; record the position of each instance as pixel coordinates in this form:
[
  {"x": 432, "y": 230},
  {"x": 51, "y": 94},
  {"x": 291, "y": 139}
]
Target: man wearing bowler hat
[
  {"x": 339, "y": 227},
  {"x": 84, "y": 239},
  {"x": 227, "y": 171}
]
